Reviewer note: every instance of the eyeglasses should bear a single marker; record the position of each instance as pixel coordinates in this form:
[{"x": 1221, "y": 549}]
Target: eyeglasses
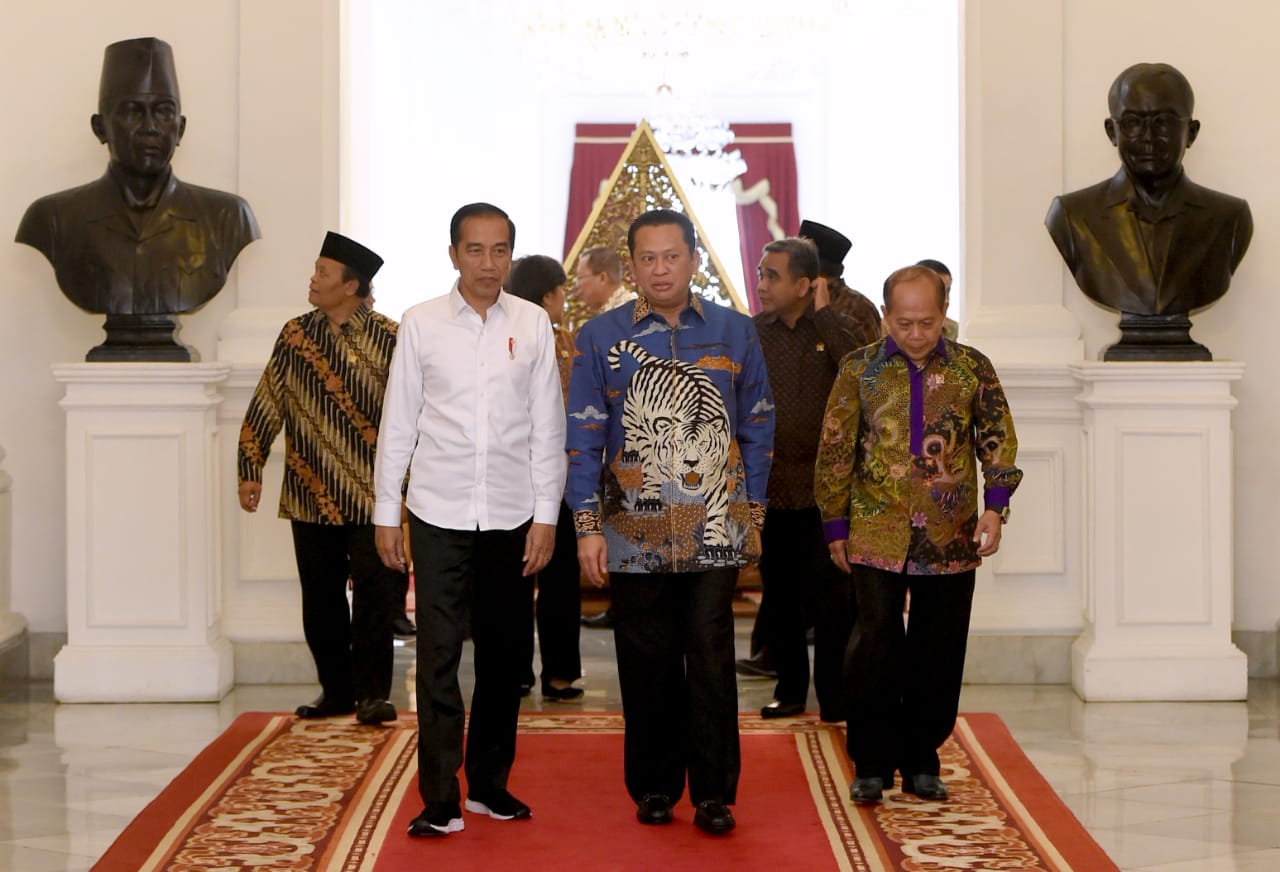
[{"x": 1161, "y": 124}]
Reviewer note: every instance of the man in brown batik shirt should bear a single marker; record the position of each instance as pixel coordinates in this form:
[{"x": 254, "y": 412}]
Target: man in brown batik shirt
[{"x": 803, "y": 338}]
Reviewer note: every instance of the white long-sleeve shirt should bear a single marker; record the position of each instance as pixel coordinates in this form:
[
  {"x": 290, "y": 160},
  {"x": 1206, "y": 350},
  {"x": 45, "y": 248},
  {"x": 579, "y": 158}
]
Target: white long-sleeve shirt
[{"x": 475, "y": 406}]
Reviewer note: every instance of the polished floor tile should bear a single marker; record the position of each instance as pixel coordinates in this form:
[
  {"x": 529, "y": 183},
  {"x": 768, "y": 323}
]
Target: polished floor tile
[{"x": 1175, "y": 787}]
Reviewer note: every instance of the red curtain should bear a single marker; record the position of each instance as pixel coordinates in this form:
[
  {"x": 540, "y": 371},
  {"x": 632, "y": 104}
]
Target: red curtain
[
  {"x": 768, "y": 208},
  {"x": 597, "y": 149}
]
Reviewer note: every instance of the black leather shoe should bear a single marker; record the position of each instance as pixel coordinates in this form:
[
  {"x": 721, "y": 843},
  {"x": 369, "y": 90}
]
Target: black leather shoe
[
  {"x": 924, "y": 786},
  {"x": 602, "y": 621},
  {"x": 402, "y": 626},
  {"x": 655, "y": 808},
  {"x": 437, "y": 819},
  {"x": 777, "y": 709},
  {"x": 867, "y": 790},
  {"x": 560, "y": 694},
  {"x": 755, "y": 667},
  {"x": 499, "y": 805},
  {"x": 713, "y": 817},
  {"x": 375, "y": 711},
  {"x": 322, "y": 707}
]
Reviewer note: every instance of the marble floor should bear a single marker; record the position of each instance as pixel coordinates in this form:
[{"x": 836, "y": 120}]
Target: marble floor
[{"x": 1180, "y": 787}]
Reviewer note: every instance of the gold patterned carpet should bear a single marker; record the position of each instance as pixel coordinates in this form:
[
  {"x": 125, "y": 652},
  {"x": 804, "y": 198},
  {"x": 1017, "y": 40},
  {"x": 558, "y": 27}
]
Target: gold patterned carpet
[{"x": 273, "y": 792}]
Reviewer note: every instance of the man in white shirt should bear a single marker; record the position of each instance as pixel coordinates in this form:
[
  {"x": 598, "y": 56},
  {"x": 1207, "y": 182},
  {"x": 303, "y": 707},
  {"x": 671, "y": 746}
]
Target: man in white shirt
[{"x": 474, "y": 412}]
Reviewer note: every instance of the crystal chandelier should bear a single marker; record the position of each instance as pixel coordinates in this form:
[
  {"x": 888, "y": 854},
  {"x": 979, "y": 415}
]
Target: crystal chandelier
[{"x": 695, "y": 144}]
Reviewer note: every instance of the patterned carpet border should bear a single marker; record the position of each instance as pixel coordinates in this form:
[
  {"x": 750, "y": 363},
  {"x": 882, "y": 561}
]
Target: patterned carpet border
[{"x": 273, "y": 792}]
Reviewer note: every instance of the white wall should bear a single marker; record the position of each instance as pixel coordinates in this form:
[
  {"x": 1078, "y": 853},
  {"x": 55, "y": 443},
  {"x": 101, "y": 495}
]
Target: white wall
[{"x": 489, "y": 114}]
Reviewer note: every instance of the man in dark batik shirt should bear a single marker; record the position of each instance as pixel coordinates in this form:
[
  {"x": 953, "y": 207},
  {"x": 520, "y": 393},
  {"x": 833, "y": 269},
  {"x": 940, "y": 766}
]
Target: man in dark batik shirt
[
  {"x": 832, "y": 248},
  {"x": 324, "y": 386},
  {"x": 803, "y": 339}
]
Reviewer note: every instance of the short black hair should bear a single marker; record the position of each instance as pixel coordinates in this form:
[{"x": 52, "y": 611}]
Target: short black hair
[
  {"x": 479, "y": 210},
  {"x": 802, "y": 256},
  {"x": 910, "y": 274},
  {"x": 657, "y": 217},
  {"x": 364, "y": 288},
  {"x": 534, "y": 276},
  {"x": 936, "y": 265}
]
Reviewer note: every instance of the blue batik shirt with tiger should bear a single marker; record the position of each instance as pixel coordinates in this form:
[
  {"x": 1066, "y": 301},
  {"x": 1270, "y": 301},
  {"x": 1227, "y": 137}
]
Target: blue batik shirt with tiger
[{"x": 670, "y": 437}]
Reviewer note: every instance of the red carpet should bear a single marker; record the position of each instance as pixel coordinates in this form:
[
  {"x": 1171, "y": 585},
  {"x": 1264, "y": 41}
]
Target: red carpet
[{"x": 276, "y": 793}]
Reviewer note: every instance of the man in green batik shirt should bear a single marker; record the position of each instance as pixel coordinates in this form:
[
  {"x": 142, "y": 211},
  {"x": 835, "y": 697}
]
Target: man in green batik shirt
[{"x": 909, "y": 420}]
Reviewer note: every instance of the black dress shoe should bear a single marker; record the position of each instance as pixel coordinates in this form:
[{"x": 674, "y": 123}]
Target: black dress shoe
[
  {"x": 499, "y": 805},
  {"x": 777, "y": 709},
  {"x": 323, "y": 707},
  {"x": 402, "y": 626},
  {"x": 713, "y": 817},
  {"x": 655, "y": 808},
  {"x": 755, "y": 667},
  {"x": 867, "y": 790},
  {"x": 437, "y": 819},
  {"x": 375, "y": 711},
  {"x": 924, "y": 786},
  {"x": 560, "y": 694},
  {"x": 602, "y": 621}
]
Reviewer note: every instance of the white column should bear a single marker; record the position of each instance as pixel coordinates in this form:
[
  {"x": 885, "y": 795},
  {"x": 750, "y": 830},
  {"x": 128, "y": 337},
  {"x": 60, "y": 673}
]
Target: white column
[
  {"x": 143, "y": 534},
  {"x": 12, "y": 624},
  {"x": 1158, "y": 533}
]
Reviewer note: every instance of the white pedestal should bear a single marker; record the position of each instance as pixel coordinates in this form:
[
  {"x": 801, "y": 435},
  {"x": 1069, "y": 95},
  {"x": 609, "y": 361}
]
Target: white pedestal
[
  {"x": 143, "y": 534},
  {"x": 1158, "y": 533}
]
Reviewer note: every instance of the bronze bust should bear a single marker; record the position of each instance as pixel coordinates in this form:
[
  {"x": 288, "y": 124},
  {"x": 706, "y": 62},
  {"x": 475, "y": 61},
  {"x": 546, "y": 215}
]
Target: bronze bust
[
  {"x": 1148, "y": 241},
  {"x": 138, "y": 244}
]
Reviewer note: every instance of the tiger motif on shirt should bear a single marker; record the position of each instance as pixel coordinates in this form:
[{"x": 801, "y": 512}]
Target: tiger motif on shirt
[{"x": 676, "y": 427}]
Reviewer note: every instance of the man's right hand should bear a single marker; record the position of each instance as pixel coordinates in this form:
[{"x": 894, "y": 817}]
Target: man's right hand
[
  {"x": 390, "y": 544},
  {"x": 250, "y": 494},
  {"x": 840, "y": 555},
  {"x": 593, "y": 558}
]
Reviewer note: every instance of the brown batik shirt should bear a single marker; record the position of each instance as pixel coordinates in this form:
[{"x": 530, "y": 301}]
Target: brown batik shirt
[
  {"x": 325, "y": 391},
  {"x": 802, "y": 362}
]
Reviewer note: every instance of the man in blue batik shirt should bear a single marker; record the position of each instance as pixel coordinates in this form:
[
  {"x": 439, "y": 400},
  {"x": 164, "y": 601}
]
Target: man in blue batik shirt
[{"x": 670, "y": 438}]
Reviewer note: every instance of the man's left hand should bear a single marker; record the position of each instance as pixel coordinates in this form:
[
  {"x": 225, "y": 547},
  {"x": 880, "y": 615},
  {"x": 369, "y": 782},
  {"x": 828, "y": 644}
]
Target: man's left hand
[
  {"x": 538, "y": 546},
  {"x": 821, "y": 293},
  {"x": 987, "y": 533}
]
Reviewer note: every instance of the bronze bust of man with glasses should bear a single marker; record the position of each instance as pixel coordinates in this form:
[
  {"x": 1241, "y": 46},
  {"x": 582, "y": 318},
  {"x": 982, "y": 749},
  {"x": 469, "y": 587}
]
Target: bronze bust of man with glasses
[{"x": 1149, "y": 241}]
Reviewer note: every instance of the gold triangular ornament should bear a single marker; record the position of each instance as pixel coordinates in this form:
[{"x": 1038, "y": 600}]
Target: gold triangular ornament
[{"x": 642, "y": 181}]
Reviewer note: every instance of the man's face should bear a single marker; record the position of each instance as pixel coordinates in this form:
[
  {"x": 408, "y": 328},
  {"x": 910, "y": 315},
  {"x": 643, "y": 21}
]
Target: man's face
[
  {"x": 914, "y": 319},
  {"x": 482, "y": 255},
  {"x": 663, "y": 266},
  {"x": 779, "y": 293},
  {"x": 593, "y": 288},
  {"x": 141, "y": 132},
  {"x": 1152, "y": 128},
  {"x": 327, "y": 290}
]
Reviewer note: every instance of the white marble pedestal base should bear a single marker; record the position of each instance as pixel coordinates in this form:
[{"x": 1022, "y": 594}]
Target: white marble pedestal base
[
  {"x": 1158, "y": 533},
  {"x": 143, "y": 534}
]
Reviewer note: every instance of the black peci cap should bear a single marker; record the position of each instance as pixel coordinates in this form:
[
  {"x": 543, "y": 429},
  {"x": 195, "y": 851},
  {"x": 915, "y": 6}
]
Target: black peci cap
[{"x": 352, "y": 254}]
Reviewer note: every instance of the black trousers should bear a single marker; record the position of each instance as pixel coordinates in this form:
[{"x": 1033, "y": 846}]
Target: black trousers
[
  {"x": 803, "y": 586},
  {"x": 674, "y": 635},
  {"x": 475, "y": 575},
  {"x": 905, "y": 684},
  {"x": 352, "y": 646},
  {"x": 559, "y": 606}
]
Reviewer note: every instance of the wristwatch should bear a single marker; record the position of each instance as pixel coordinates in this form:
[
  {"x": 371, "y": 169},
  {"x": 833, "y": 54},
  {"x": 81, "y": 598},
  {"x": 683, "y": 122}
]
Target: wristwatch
[{"x": 1004, "y": 514}]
